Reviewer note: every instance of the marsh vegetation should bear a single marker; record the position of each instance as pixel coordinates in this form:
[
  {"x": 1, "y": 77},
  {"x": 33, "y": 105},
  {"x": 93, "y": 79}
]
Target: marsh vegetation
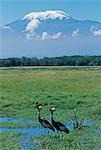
[{"x": 62, "y": 88}]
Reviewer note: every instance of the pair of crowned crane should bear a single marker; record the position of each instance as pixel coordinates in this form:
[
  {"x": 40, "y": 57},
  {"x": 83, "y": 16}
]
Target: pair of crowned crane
[{"x": 54, "y": 124}]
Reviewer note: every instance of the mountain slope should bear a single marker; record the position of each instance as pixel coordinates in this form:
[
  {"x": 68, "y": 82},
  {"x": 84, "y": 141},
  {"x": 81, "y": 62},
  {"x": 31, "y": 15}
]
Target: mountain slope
[
  {"x": 54, "y": 31},
  {"x": 42, "y": 25}
]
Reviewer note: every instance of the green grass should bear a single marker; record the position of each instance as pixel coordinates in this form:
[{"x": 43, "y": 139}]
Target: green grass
[
  {"x": 78, "y": 140},
  {"x": 8, "y": 141},
  {"x": 64, "y": 88}
]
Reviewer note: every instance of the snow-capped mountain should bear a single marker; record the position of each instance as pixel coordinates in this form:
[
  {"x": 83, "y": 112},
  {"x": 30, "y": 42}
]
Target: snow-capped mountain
[{"x": 51, "y": 25}]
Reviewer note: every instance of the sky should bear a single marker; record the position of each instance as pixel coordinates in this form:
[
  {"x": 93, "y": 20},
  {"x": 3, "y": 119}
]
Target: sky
[{"x": 10, "y": 10}]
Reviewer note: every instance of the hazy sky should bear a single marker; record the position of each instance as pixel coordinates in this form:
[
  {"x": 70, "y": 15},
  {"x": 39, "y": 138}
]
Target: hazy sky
[{"x": 10, "y": 10}]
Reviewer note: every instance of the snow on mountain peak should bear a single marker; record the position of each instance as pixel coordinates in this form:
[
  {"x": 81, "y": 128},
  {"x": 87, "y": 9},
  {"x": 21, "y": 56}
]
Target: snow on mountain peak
[
  {"x": 49, "y": 14},
  {"x": 35, "y": 18}
]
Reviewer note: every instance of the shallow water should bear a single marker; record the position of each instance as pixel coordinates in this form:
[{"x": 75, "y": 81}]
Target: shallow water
[
  {"x": 17, "y": 121},
  {"x": 97, "y": 131},
  {"x": 28, "y": 133}
]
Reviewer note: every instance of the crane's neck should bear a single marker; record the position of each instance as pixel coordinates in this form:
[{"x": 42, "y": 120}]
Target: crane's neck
[
  {"x": 38, "y": 114},
  {"x": 51, "y": 116},
  {"x": 39, "y": 117}
]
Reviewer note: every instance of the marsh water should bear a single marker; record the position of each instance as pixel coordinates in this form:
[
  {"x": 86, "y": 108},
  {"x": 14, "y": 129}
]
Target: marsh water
[{"x": 27, "y": 133}]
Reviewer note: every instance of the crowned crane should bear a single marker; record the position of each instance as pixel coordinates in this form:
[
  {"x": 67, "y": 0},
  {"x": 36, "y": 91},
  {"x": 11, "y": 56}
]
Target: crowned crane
[
  {"x": 43, "y": 121},
  {"x": 58, "y": 125}
]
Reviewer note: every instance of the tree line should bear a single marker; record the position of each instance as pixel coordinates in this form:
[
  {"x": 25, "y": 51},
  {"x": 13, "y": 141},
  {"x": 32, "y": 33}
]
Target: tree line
[{"x": 52, "y": 61}]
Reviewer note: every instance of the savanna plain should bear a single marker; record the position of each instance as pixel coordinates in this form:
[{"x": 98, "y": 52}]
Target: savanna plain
[{"x": 65, "y": 89}]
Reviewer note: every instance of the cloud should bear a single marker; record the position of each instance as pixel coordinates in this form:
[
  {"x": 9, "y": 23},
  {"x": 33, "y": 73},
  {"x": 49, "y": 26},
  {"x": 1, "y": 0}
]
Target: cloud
[
  {"x": 97, "y": 32},
  {"x": 32, "y": 35},
  {"x": 92, "y": 28},
  {"x": 8, "y": 28},
  {"x": 44, "y": 36},
  {"x": 32, "y": 25},
  {"x": 56, "y": 36},
  {"x": 75, "y": 32}
]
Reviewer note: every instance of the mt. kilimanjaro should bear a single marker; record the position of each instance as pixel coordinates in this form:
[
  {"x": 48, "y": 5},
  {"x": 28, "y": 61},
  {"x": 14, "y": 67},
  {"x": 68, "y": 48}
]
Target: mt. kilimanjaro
[{"x": 49, "y": 28}]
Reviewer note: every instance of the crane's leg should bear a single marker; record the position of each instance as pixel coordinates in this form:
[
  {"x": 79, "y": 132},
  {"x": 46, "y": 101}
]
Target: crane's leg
[
  {"x": 45, "y": 131},
  {"x": 48, "y": 131},
  {"x": 59, "y": 134},
  {"x": 62, "y": 134}
]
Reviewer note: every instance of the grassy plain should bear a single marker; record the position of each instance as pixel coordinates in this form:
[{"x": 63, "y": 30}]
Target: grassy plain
[{"x": 64, "y": 88}]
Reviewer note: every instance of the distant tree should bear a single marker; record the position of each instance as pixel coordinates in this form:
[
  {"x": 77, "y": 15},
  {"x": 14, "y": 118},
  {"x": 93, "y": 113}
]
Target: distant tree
[{"x": 52, "y": 61}]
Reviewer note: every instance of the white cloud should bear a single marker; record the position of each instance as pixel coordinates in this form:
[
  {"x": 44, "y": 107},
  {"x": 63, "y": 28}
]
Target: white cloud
[
  {"x": 56, "y": 36},
  {"x": 8, "y": 28},
  {"x": 33, "y": 24},
  {"x": 32, "y": 35},
  {"x": 92, "y": 28},
  {"x": 75, "y": 32},
  {"x": 29, "y": 36},
  {"x": 97, "y": 32},
  {"x": 44, "y": 36}
]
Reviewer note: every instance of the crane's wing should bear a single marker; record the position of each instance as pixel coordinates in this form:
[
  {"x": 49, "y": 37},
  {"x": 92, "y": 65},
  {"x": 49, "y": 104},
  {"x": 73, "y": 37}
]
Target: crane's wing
[
  {"x": 47, "y": 124},
  {"x": 62, "y": 127}
]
